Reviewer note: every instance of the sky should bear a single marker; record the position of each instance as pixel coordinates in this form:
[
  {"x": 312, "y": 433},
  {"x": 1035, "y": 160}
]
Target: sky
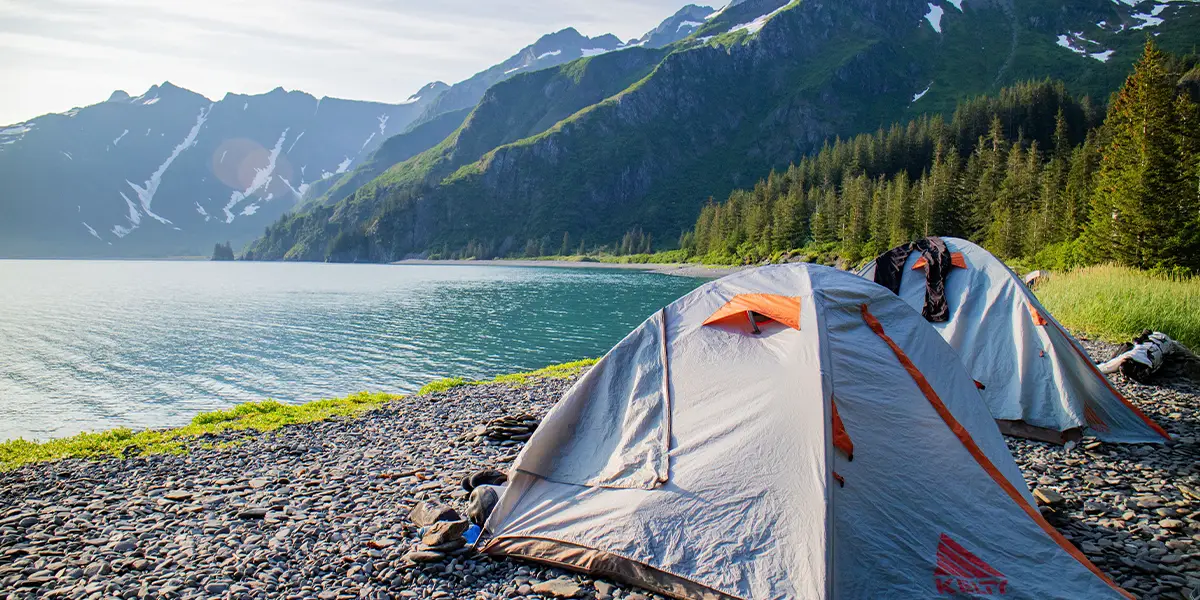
[{"x": 59, "y": 54}]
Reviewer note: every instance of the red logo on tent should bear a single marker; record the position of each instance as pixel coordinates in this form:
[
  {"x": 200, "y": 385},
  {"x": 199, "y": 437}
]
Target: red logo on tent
[{"x": 960, "y": 572}]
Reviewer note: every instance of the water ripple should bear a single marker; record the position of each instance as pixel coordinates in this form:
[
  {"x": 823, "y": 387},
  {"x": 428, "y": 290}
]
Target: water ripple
[{"x": 89, "y": 345}]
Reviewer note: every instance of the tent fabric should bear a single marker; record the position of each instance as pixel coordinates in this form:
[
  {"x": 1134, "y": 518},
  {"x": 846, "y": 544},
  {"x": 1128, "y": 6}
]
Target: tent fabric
[
  {"x": 758, "y": 501},
  {"x": 1032, "y": 370},
  {"x": 627, "y": 388}
]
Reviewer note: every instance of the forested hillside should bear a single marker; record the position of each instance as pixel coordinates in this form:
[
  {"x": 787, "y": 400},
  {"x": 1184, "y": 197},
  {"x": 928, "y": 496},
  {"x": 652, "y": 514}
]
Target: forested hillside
[{"x": 1033, "y": 174}]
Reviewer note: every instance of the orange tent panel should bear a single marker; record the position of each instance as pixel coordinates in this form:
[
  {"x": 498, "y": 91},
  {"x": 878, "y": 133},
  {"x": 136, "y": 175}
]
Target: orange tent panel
[
  {"x": 956, "y": 260},
  {"x": 782, "y": 309}
]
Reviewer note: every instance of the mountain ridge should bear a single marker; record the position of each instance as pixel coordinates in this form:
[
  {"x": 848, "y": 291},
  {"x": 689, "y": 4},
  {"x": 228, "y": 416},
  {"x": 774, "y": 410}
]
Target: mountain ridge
[{"x": 865, "y": 72}]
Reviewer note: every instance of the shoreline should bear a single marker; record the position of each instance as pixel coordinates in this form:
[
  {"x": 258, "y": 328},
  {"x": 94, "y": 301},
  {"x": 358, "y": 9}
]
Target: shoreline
[
  {"x": 320, "y": 508},
  {"x": 677, "y": 269}
]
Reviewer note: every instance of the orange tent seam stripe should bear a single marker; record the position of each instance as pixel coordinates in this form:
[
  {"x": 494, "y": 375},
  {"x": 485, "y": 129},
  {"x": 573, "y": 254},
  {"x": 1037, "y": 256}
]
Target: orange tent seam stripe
[
  {"x": 841, "y": 439},
  {"x": 977, "y": 453},
  {"x": 1155, "y": 426}
]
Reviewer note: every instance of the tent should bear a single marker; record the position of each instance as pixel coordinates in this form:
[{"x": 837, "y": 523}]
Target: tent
[
  {"x": 840, "y": 452},
  {"x": 1036, "y": 378}
]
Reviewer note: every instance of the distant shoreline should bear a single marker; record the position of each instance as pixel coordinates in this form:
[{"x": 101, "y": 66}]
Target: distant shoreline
[{"x": 677, "y": 269}]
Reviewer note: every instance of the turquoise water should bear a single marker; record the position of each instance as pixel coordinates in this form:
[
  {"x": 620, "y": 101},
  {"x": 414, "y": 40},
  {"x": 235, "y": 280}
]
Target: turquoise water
[{"x": 90, "y": 345}]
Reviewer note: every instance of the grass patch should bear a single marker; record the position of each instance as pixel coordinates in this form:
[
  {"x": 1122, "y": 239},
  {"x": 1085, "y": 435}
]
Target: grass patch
[
  {"x": 562, "y": 371},
  {"x": 258, "y": 416},
  {"x": 1115, "y": 303}
]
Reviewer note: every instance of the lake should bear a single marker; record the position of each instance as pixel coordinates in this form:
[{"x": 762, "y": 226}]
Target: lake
[{"x": 92, "y": 345}]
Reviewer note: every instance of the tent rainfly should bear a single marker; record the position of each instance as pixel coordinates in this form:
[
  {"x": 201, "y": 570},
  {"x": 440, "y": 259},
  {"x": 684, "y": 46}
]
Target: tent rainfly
[
  {"x": 1036, "y": 378},
  {"x": 840, "y": 452}
]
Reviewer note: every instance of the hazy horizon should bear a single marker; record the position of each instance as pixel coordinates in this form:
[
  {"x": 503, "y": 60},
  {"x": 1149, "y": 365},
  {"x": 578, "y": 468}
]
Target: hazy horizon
[{"x": 61, "y": 54}]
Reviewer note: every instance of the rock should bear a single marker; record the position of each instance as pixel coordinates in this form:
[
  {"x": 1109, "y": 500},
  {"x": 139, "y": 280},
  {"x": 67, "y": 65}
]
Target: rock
[
  {"x": 1189, "y": 492},
  {"x": 125, "y": 546},
  {"x": 424, "y": 556},
  {"x": 603, "y": 589},
  {"x": 444, "y": 531},
  {"x": 216, "y": 588},
  {"x": 254, "y": 512},
  {"x": 425, "y": 514},
  {"x": 177, "y": 495},
  {"x": 559, "y": 588},
  {"x": 1047, "y": 496},
  {"x": 259, "y": 482},
  {"x": 381, "y": 543},
  {"x": 1170, "y": 523}
]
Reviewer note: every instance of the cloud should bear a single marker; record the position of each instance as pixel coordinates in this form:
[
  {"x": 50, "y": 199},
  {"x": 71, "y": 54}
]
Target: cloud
[{"x": 65, "y": 53}]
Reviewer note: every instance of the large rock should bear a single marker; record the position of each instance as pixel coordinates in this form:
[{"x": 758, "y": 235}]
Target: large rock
[
  {"x": 559, "y": 588},
  {"x": 426, "y": 514},
  {"x": 442, "y": 532}
]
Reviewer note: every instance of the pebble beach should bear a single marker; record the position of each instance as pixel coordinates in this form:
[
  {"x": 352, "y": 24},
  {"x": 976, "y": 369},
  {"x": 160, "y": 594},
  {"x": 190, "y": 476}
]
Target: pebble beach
[{"x": 321, "y": 510}]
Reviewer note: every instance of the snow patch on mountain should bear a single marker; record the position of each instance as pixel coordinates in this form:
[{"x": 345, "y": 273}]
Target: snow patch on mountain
[
  {"x": 326, "y": 175},
  {"x": 66, "y": 154},
  {"x": 262, "y": 177},
  {"x": 590, "y": 52},
  {"x": 957, "y": 4},
  {"x": 514, "y": 70},
  {"x": 383, "y": 119},
  {"x": 200, "y": 209},
  {"x": 245, "y": 106},
  {"x": 298, "y": 192},
  {"x": 757, "y": 24},
  {"x": 691, "y": 24},
  {"x": 289, "y": 150},
  {"x": 369, "y": 138},
  {"x": 92, "y": 231},
  {"x": 18, "y": 129},
  {"x": 134, "y": 218},
  {"x": 934, "y": 16},
  {"x": 249, "y": 209},
  {"x": 145, "y": 193},
  {"x": 549, "y": 54},
  {"x": 1149, "y": 20},
  {"x": 921, "y": 94},
  {"x": 411, "y": 99},
  {"x": 221, "y": 161},
  {"x": 118, "y": 139},
  {"x": 1077, "y": 43},
  {"x": 344, "y": 165}
]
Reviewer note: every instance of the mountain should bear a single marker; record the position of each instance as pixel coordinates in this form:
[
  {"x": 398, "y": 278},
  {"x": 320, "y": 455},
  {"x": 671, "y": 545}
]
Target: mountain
[
  {"x": 677, "y": 26},
  {"x": 759, "y": 84},
  {"x": 451, "y": 109},
  {"x": 548, "y": 51},
  {"x": 170, "y": 172}
]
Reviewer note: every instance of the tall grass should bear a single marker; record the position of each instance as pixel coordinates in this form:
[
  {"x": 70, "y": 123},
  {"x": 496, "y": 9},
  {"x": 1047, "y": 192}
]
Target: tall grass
[{"x": 1115, "y": 303}]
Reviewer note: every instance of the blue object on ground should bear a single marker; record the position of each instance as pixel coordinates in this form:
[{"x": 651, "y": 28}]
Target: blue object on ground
[{"x": 472, "y": 533}]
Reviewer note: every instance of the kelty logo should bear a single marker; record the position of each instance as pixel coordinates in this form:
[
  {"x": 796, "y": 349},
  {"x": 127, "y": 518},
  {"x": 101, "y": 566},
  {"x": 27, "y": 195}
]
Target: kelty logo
[{"x": 960, "y": 572}]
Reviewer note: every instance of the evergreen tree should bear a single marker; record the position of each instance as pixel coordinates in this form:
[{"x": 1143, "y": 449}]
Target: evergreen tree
[{"x": 1139, "y": 188}]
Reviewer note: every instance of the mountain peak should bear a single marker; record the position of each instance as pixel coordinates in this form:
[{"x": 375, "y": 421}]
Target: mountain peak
[
  {"x": 683, "y": 23},
  {"x": 118, "y": 96}
]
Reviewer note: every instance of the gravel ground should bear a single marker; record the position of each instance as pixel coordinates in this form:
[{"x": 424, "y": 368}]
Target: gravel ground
[{"x": 321, "y": 510}]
